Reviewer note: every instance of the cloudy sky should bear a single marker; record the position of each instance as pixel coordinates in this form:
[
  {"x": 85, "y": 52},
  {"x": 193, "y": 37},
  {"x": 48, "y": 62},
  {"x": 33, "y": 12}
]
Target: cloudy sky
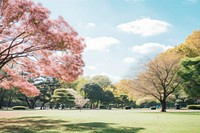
[{"x": 120, "y": 34}]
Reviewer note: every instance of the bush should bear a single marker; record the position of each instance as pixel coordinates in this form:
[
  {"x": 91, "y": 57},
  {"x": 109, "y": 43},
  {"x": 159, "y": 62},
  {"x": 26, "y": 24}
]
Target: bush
[
  {"x": 127, "y": 107},
  {"x": 102, "y": 107},
  {"x": 193, "y": 107},
  {"x": 153, "y": 108},
  {"x": 19, "y": 108}
]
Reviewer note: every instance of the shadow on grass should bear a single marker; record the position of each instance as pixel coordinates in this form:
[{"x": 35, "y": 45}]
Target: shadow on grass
[
  {"x": 44, "y": 125},
  {"x": 101, "y": 127}
]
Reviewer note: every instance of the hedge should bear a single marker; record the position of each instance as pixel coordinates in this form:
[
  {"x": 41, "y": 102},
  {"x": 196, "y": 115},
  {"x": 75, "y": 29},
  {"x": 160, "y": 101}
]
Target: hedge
[
  {"x": 197, "y": 107},
  {"x": 19, "y": 108}
]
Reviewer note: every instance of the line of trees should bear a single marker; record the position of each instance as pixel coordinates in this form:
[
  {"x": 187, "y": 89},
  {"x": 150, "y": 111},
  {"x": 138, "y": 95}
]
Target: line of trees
[
  {"x": 173, "y": 73},
  {"x": 56, "y": 94}
]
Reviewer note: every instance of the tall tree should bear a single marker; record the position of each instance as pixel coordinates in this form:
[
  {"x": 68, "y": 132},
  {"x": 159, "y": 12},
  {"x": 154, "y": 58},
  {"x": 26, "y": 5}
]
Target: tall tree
[
  {"x": 190, "y": 74},
  {"x": 93, "y": 92},
  {"x": 191, "y": 46},
  {"x": 31, "y": 42},
  {"x": 160, "y": 78}
]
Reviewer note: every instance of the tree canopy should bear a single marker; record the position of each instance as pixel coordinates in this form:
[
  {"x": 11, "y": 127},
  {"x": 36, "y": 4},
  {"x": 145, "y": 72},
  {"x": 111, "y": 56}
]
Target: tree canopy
[
  {"x": 159, "y": 79},
  {"x": 33, "y": 43},
  {"x": 190, "y": 74}
]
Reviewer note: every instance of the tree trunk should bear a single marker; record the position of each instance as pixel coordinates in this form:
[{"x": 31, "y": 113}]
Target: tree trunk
[
  {"x": 2, "y": 97},
  {"x": 10, "y": 100},
  {"x": 32, "y": 101},
  {"x": 163, "y": 105},
  {"x": 27, "y": 101},
  {"x": 42, "y": 107}
]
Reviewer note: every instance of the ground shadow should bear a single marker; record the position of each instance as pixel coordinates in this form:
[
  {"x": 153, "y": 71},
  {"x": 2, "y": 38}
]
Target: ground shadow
[
  {"x": 45, "y": 125},
  {"x": 101, "y": 127}
]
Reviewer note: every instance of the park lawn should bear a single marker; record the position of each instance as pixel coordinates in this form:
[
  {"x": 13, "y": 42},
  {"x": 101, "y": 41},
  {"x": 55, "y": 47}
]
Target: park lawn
[{"x": 99, "y": 121}]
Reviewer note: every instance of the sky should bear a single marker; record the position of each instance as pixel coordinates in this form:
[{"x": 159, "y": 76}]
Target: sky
[{"x": 121, "y": 34}]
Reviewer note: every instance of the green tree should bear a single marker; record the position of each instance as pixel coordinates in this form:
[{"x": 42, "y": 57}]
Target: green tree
[
  {"x": 122, "y": 101},
  {"x": 108, "y": 97},
  {"x": 93, "y": 92},
  {"x": 63, "y": 96},
  {"x": 190, "y": 74}
]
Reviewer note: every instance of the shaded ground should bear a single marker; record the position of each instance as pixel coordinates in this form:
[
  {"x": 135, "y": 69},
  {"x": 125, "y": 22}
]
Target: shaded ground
[{"x": 42, "y": 124}]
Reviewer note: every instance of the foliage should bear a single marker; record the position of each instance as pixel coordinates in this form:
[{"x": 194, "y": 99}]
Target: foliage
[
  {"x": 125, "y": 86},
  {"x": 93, "y": 92},
  {"x": 122, "y": 101},
  {"x": 190, "y": 74},
  {"x": 80, "y": 102},
  {"x": 146, "y": 102},
  {"x": 108, "y": 97},
  {"x": 62, "y": 96},
  {"x": 191, "y": 46},
  {"x": 101, "y": 80},
  {"x": 34, "y": 44},
  {"x": 193, "y": 107}
]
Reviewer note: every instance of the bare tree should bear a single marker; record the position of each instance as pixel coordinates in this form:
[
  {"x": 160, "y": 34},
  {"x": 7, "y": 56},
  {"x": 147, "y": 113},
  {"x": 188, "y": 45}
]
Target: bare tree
[{"x": 159, "y": 80}]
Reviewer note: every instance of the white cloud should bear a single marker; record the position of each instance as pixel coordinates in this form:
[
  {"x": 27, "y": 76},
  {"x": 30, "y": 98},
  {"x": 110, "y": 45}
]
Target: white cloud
[
  {"x": 101, "y": 43},
  {"x": 145, "y": 27},
  {"x": 91, "y": 67},
  {"x": 149, "y": 48},
  {"x": 91, "y": 25},
  {"x": 129, "y": 60}
]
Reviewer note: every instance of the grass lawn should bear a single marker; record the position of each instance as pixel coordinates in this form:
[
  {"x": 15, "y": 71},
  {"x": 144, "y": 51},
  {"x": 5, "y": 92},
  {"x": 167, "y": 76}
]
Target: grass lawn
[{"x": 99, "y": 121}]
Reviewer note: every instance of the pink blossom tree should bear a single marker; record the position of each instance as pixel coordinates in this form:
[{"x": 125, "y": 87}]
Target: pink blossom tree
[{"x": 32, "y": 43}]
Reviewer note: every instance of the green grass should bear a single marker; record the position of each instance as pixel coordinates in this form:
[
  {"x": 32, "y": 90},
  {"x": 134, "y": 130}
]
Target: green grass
[{"x": 98, "y": 121}]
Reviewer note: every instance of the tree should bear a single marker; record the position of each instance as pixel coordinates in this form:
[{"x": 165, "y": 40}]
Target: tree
[
  {"x": 80, "y": 102},
  {"x": 108, "y": 97},
  {"x": 191, "y": 46},
  {"x": 122, "y": 100},
  {"x": 46, "y": 85},
  {"x": 6, "y": 97},
  {"x": 102, "y": 80},
  {"x": 62, "y": 96},
  {"x": 125, "y": 87},
  {"x": 93, "y": 92},
  {"x": 160, "y": 78},
  {"x": 77, "y": 84},
  {"x": 190, "y": 74},
  {"x": 31, "y": 42}
]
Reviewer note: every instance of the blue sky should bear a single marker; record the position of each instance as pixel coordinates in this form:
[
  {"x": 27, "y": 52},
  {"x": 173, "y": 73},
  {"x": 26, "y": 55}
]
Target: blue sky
[{"x": 120, "y": 34}]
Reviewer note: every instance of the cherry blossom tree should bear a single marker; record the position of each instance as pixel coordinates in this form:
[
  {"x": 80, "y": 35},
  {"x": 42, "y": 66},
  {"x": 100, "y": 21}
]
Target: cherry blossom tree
[
  {"x": 34, "y": 44},
  {"x": 79, "y": 100}
]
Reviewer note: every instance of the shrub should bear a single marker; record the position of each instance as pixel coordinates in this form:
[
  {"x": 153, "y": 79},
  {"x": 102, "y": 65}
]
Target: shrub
[
  {"x": 193, "y": 107},
  {"x": 102, "y": 107},
  {"x": 19, "y": 108},
  {"x": 127, "y": 107},
  {"x": 153, "y": 108}
]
